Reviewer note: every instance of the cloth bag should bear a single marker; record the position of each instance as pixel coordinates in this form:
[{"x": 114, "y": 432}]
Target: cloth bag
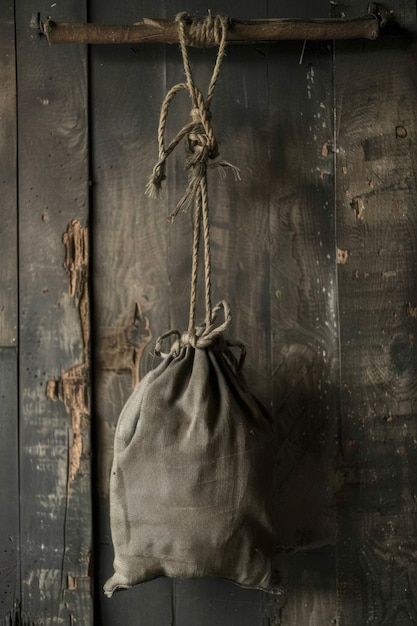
[{"x": 190, "y": 485}]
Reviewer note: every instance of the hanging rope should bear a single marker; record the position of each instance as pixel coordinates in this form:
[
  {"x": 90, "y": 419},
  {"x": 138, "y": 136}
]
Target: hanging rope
[
  {"x": 201, "y": 147},
  {"x": 202, "y": 144}
]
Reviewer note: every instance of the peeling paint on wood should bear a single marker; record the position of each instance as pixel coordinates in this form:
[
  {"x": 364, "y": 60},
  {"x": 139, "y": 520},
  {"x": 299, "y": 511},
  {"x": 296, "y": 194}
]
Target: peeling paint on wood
[
  {"x": 412, "y": 311},
  {"x": 342, "y": 256},
  {"x": 76, "y": 262},
  {"x": 358, "y": 206},
  {"x": 55, "y": 458},
  {"x": 73, "y": 388}
]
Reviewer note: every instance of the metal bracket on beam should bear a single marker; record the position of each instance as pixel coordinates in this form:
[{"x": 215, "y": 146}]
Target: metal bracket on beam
[{"x": 247, "y": 31}]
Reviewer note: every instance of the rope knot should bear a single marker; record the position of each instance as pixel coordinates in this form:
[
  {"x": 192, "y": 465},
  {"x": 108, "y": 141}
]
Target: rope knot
[
  {"x": 201, "y": 141},
  {"x": 205, "y": 335},
  {"x": 206, "y": 32},
  {"x": 202, "y": 136},
  {"x": 202, "y": 336}
]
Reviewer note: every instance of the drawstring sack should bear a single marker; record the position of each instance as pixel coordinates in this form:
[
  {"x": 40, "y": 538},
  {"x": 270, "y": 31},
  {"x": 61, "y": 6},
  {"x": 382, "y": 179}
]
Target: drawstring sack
[
  {"x": 190, "y": 486},
  {"x": 191, "y": 479}
]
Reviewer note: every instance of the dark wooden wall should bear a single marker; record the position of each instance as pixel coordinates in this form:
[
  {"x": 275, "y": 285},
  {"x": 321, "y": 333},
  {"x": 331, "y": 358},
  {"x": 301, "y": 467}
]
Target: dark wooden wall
[{"x": 316, "y": 250}]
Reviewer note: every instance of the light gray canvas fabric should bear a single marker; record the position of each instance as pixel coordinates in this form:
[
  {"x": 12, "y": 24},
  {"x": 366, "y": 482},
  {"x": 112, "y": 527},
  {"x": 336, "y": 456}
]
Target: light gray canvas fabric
[{"x": 191, "y": 478}]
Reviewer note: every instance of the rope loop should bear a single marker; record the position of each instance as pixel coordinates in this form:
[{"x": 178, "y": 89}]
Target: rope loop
[
  {"x": 201, "y": 336},
  {"x": 205, "y": 336},
  {"x": 201, "y": 141},
  {"x": 174, "y": 348},
  {"x": 201, "y": 145}
]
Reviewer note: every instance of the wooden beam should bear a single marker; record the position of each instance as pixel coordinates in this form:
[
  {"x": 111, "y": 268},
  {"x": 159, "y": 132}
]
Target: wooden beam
[{"x": 166, "y": 31}]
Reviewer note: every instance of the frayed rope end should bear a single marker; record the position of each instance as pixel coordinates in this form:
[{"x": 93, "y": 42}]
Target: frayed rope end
[
  {"x": 221, "y": 167},
  {"x": 154, "y": 186},
  {"x": 153, "y": 189}
]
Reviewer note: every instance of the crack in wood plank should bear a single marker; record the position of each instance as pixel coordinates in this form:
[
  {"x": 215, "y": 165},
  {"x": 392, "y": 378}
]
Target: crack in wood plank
[{"x": 15, "y": 618}]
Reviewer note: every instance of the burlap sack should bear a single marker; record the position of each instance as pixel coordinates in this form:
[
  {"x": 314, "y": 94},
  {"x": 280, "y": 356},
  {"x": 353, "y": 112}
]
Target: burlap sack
[{"x": 191, "y": 479}]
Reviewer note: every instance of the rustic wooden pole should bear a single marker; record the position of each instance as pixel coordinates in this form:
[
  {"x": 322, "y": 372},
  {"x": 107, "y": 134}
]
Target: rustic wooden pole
[{"x": 166, "y": 31}]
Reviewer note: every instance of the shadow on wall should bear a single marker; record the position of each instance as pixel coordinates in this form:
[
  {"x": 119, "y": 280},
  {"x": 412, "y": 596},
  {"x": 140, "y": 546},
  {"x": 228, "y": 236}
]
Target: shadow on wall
[{"x": 306, "y": 478}]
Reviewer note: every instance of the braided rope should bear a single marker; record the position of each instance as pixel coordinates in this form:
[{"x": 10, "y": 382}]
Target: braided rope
[
  {"x": 194, "y": 268},
  {"x": 207, "y": 255}
]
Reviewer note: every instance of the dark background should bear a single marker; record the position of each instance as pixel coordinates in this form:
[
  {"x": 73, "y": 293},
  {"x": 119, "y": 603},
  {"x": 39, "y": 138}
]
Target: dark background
[{"x": 316, "y": 250}]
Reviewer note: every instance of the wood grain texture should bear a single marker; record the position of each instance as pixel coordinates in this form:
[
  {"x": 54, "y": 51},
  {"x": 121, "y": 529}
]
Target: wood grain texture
[
  {"x": 8, "y": 179},
  {"x": 9, "y": 424},
  {"x": 154, "y": 30},
  {"x": 376, "y": 196},
  {"x": 304, "y": 296},
  {"x": 9, "y": 492},
  {"x": 309, "y": 576},
  {"x": 212, "y": 601},
  {"x": 55, "y": 489},
  {"x": 304, "y": 340},
  {"x": 130, "y": 288}
]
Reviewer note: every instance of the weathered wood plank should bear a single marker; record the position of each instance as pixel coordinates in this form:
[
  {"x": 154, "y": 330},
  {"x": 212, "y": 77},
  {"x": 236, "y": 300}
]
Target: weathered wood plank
[
  {"x": 403, "y": 14},
  {"x": 9, "y": 492},
  {"x": 130, "y": 275},
  {"x": 9, "y": 424},
  {"x": 376, "y": 196},
  {"x": 149, "y": 604},
  {"x": 54, "y": 352},
  {"x": 8, "y": 176},
  {"x": 304, "y": 290},
  {"x": 209, "y": 602},
  {"x": 309, "y": 576},
  {"x": 303, "y": 295}
]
